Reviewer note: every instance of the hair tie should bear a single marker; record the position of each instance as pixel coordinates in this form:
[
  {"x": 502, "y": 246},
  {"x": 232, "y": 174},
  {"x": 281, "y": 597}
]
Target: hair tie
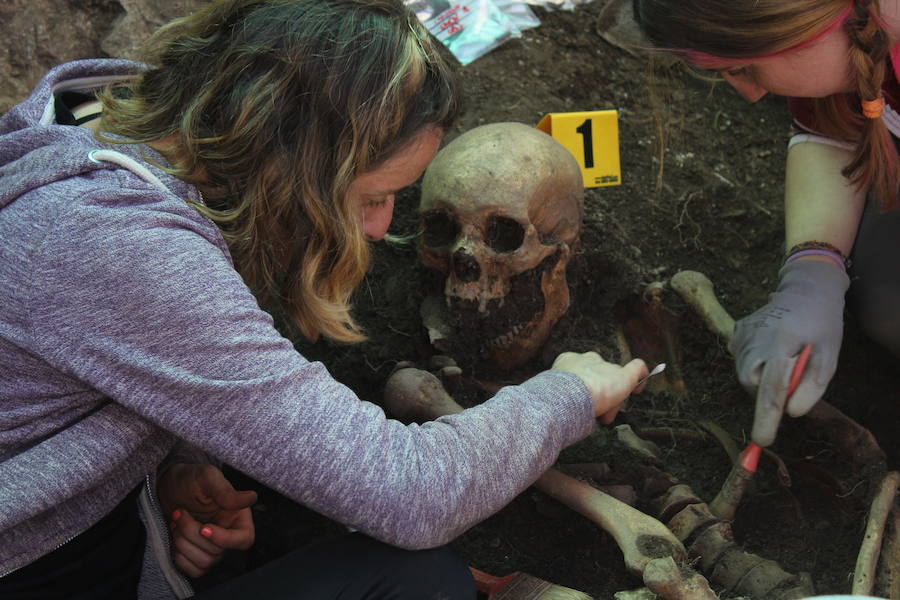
[{"x": 872, "y": 109}]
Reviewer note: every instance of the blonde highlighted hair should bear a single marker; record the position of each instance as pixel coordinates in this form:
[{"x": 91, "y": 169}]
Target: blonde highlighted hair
[
  {"x": 745, "y": 29},
  {"x": 272, "y": 108}
]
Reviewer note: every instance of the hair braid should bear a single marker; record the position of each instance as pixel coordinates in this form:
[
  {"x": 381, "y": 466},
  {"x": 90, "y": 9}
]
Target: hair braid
[
  {"x": 716, "y": 31},
  {"x": 876, "y": 162}
]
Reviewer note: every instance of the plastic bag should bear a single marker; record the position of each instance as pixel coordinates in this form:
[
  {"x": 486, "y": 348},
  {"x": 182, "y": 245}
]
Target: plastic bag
[
  {"x": 520, "y": 13},
  {"x": 472, "y": 28},
  {"x": 557, "y": 4}
]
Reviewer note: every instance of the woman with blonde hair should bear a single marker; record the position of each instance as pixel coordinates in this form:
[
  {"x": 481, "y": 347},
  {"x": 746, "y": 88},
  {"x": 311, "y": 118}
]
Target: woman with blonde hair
[
  {"x": 837, "y": 61},
  {"x": 149, "y": 214}
]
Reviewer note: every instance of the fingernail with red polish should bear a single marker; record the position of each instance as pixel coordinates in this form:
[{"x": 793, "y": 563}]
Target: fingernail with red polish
[
  {"x": 206, "y": 531},
  {"x": 176, "y": 514}
]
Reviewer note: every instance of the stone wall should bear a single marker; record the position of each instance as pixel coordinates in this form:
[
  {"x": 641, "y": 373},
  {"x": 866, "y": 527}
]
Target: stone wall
[{"x": 38, "y": 34}]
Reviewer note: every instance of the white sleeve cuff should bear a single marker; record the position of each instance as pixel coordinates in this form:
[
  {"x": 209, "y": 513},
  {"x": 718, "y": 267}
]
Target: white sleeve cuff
[{"x": 819, "y": 139}]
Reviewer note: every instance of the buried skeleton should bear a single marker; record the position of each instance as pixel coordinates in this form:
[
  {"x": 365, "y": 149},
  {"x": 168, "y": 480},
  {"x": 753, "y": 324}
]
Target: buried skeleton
[{"x": 476, "y": 237}]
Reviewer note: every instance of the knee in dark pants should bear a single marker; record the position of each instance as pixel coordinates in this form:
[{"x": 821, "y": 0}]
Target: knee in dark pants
[
  {"x": 434, "y": 574},
  {"x": 878, "y": 313},
  {"x": 875, "y": 281},
  {"x": 354, "y": 567}
]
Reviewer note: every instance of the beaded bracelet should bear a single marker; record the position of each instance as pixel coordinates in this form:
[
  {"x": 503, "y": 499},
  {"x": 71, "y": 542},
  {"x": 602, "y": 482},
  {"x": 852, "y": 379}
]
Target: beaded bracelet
[{"x": 815, "y": 248}]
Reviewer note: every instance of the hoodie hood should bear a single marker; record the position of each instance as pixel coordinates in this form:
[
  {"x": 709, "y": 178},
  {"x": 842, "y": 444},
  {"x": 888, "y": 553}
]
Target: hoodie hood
[{"x": 35, "y": 150}]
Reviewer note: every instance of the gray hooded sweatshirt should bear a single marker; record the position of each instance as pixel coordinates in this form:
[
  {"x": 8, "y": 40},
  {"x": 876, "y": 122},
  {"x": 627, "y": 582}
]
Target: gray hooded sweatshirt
[{"x": 125, "y": 333}]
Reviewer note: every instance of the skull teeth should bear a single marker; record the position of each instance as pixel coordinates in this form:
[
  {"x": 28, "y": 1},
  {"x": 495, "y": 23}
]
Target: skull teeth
[{"x": 507, "y": 338}]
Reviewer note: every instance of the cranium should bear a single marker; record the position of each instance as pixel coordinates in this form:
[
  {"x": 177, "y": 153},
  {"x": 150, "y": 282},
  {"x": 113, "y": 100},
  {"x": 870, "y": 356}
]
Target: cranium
[{"x": 501, "y": 211}]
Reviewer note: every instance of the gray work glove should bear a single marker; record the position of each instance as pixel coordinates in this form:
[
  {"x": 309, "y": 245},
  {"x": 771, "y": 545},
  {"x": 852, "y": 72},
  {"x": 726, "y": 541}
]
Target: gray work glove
[{"x": 806, "y": 308}]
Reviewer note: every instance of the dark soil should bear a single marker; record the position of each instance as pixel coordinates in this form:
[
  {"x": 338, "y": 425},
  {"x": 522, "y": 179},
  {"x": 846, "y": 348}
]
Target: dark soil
[{"x": 715, "y": 207}]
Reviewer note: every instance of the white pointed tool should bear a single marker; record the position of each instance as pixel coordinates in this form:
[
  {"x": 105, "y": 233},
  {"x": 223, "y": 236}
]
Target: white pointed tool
[{"x": 656, "y": 371}]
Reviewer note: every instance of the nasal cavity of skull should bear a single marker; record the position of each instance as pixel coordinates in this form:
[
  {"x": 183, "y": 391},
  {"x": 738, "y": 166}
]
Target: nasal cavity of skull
[{"x": 465, "y": 267}]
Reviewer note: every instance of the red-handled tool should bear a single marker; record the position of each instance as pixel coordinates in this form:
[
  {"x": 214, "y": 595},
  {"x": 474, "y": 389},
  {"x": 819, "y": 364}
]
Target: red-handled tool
[{"x": 726, "y": 501}]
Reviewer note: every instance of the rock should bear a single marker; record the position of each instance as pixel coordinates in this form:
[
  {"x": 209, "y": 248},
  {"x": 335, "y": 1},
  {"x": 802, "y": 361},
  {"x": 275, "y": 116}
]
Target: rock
[
  {"x": 39, "y": 34},
  {"x": 140, "y": 19}
]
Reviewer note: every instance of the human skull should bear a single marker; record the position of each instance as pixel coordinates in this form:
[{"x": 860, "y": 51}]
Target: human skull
[{"x": 501, "y": 211}]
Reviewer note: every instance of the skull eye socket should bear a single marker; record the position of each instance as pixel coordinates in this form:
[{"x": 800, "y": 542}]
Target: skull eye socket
[
  {"x": 439, "y": 229},
  {"x": 504, "y": 234}
]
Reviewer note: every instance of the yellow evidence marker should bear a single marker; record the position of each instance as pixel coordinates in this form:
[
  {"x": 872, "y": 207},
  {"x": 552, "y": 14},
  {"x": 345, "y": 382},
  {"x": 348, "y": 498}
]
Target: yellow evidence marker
[{"x": 593, "y": 139}]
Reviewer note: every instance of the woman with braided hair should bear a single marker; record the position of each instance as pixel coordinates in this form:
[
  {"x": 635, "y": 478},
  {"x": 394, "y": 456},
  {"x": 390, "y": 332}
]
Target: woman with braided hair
[{"x": 836, "y": 61}]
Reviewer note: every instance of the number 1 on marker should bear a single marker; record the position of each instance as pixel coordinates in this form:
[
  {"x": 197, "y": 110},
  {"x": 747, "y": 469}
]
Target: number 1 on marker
[
  {"x": 593, "y": 139},
  {"x": 585, "y": 129}
]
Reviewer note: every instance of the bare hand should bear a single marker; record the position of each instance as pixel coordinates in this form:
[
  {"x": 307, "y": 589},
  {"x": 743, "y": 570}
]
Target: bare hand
[
  {"x": 208, "y": 515},
  {"x": 608, "y": 383}
]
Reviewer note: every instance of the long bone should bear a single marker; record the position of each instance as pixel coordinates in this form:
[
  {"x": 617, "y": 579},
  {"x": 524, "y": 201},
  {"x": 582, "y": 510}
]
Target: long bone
[
  {"x": 887, "y": 583},
  {"x": 663, "y": 578},
  {"x": 668, "y": 580},
  {"x": 413, "y": 395},
  {"x": 883, "y": 504}
]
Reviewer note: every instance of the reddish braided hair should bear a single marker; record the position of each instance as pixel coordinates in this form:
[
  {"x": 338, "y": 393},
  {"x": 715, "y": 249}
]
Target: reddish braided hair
[
  {"x": 876, "y": 164},
  {"x": 719, "y": 30}
]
